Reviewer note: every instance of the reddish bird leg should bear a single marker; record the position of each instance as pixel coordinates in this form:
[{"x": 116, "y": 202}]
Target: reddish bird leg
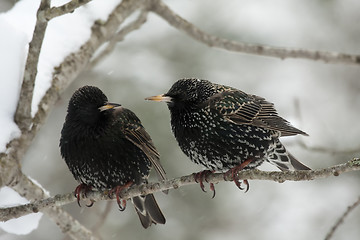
[
  {"x": 82, "y": 188},
  {"x": 200, "y": 177},
  {"x": 121, "y": 202},
  {"x": 235, "y": 176}
]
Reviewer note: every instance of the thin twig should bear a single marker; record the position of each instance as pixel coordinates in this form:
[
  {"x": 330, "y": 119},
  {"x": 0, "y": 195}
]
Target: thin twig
[
  {"x": 341, "y": 219},
  {"x": 63, "y": 199},
  {"x": 178, "y": 22},
  {"x": 119, "y": 37},
  {"x": 64, "y": 9}
]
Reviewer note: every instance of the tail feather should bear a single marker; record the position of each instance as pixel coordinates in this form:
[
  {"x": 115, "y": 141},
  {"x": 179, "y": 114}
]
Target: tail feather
[
  {"x": 148, "y": 210},
  {"x": 297, "y": 164},
  {"x": 282, "y": 159}
]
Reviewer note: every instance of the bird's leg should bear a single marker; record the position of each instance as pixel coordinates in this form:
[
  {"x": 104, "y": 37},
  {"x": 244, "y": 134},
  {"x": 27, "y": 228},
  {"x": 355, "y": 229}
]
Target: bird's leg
[
  {"x": 82, "y": 187},
  {"x": 235, "y": 174},
  {"x": 117, "y": 190},
  {"x": 200, "y": 177}
]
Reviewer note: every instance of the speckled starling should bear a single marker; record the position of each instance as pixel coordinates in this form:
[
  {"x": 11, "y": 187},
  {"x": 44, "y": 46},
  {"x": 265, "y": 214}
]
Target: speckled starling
[
  {"x": 221, "y": 127},
  {"x": 106, "y": 147}
]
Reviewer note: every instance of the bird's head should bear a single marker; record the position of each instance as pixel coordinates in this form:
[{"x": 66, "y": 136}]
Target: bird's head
[
  {"x": 89, "y": 105},
  {"x": 186, "y": 92}
]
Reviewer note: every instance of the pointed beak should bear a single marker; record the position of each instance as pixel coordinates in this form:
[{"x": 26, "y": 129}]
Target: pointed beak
[
  {"x": 160, "y": 98},
  {"x": 108, "y": 106}
]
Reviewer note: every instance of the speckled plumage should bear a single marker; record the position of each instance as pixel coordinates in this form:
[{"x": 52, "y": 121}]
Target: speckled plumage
[
  {"x": 105, "y": 146},
  {"x": 221, "y": 127}
]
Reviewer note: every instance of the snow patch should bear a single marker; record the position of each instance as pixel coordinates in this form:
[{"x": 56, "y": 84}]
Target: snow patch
[{"x": 22, "y": 225}]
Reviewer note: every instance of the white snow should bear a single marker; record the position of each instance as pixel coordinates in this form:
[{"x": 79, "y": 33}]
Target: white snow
[
  {"x": 13, "y": 47},
  {"x": 22, "y": 225}
]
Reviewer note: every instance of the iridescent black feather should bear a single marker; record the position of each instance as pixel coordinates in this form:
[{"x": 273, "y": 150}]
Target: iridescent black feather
[
  {"x": 105, "y": 146},
  {"x": 221, "y": 127}
]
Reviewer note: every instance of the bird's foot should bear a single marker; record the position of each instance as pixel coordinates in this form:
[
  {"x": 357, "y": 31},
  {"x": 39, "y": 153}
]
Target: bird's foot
[
  {"x": 121, "y": 202},
  {"x": 235, "y": 175},
  {"x": 200, "y": 177},
  {"x": 82, "y": 188}
]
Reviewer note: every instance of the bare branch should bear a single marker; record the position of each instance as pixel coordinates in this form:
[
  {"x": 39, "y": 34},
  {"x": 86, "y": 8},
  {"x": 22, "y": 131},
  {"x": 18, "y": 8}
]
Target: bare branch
[
  {"x": 119, "y": 37},
  {"x": 68, "y": 224},
  {"x": 23, "y": 111},
  {"x": 102, "y": 218},
  {"x": 64, "y": 9},
  {"x": 59, "y": 200},
  {"x": 176, "y": 21},
  {"x": 131, "y": 26},
  {"x": 341, "y": 219}
]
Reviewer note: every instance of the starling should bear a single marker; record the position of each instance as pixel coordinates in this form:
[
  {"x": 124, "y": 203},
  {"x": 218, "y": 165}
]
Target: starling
[
  {"x": 105, "y": 146},
  {"x": 223, "y": 128}
]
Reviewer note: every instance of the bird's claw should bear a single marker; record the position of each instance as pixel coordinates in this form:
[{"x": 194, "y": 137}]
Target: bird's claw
[
  {"x": 235, "y": 175},
  {"x": 122, "y": 205},
  {"x": 212, "y": 188},
  {"x": 91, "y": 203},
  {"x": 77, "y": 193},
  {"x": 200, "y": 177},
  {"x": 121, "y": 202}
]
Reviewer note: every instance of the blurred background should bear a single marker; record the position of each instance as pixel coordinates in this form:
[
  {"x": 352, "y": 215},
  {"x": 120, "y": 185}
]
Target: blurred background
[{"x": 321, "y": 99}]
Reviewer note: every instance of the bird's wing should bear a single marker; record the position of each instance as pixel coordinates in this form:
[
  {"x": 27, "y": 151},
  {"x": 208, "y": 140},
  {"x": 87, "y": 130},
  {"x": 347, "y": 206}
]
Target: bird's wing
[
  {"x": 140, "y": 138},
  {"x": 135, "y": 133},
  {"x": 241, "y": 108}
]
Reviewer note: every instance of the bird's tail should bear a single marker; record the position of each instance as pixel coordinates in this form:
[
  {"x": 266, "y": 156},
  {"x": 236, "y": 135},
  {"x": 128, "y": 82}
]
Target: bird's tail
[
  {"x": 282, "y": 159},
  {"x": 148, "y": 210}
]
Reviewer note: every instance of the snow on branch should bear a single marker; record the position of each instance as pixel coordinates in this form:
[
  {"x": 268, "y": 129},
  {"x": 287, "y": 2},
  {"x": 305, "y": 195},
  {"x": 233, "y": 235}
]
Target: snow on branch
[
  {"x": 63, "y": 199},
  {"x": 23, "y": 111},
  {"x": 257, "y": 49}
]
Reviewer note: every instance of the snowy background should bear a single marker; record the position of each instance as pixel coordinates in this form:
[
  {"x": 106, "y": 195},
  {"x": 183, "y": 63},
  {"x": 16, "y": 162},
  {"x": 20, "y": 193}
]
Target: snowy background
[{"x": 149, "y": 60}]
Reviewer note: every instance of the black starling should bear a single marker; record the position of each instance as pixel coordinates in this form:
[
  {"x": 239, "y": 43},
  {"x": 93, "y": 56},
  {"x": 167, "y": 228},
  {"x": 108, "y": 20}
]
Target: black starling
[
  {"x": 106, "y": 147},
  {"x": 223, "y": 128}
]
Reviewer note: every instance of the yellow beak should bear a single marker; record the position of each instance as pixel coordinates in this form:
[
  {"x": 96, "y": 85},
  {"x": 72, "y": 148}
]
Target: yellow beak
[
  {"x": 108, "y": 106},
  {"x": 159, "y": 98}
]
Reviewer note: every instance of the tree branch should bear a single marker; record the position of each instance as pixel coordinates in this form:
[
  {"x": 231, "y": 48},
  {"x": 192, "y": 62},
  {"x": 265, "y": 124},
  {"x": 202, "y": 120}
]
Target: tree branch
[
  {"x": 23, "y": 111},
  {"x": 44, "y": 14},
  {"x": 136, "y": 24},
  {"x": 63, "y": 199},
  {"x": 64, "y": 9},
  {"x": 176, "y": 21},
  {"x": 341, "y": 219}
]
